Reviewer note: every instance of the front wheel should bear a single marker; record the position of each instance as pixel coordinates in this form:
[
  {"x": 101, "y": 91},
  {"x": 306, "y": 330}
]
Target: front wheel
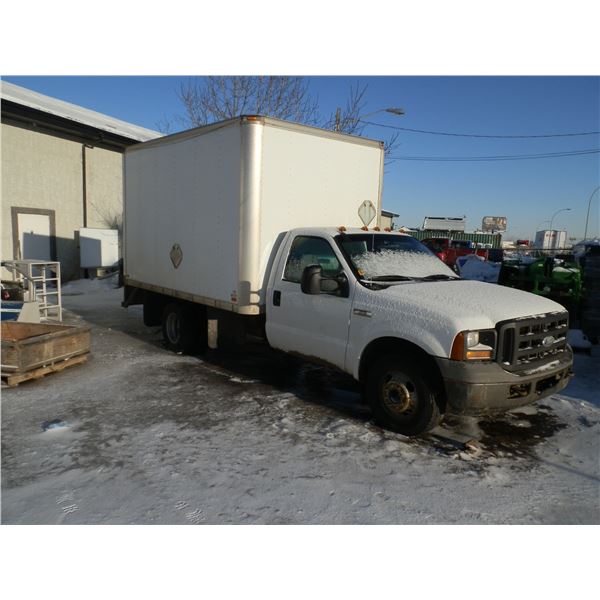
[{"x": 402, "y": 396}]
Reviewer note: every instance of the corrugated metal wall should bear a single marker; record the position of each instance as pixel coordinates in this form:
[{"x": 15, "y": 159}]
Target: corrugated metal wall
[{"x": 495, "y": 239}]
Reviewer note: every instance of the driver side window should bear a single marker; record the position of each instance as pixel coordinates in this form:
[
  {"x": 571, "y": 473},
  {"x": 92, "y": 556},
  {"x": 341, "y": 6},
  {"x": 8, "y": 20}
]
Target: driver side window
[{"x": 306, "y": 251}]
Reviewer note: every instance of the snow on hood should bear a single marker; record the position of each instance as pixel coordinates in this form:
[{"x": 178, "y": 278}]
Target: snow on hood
[
  {"x": 472, "y": 299},
  {"x": 434, "y": 312}
]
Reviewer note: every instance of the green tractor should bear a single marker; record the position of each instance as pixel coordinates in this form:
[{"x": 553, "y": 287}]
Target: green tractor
[{"x": 556, "y": 277}]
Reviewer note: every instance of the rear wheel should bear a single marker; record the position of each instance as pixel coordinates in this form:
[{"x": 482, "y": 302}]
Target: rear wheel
[
  {"x": 402, "y": 396},
  {"x": 181, "y": 328}
]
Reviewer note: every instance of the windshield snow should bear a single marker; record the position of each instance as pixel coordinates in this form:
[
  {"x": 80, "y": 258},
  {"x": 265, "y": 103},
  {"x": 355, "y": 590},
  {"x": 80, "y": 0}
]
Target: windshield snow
[{"x": 377, "y": 257}]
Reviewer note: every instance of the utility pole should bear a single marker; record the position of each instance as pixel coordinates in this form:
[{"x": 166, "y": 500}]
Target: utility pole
[{"x": 587, "y": 218}]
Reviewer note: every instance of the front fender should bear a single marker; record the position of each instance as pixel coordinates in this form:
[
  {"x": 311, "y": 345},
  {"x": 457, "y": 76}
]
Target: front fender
[{"x": 357, "y": 347}]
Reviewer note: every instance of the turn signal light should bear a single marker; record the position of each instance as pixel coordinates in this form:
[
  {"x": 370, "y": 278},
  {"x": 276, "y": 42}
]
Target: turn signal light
[
  {"x": 458, "y": 347},
  {"x": 479, "y": 354},
  {"x": 473, "y": 345}
]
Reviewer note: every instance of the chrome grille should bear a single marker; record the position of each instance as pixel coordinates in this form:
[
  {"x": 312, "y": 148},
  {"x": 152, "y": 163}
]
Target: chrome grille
[{"x": 533, "y": 341}]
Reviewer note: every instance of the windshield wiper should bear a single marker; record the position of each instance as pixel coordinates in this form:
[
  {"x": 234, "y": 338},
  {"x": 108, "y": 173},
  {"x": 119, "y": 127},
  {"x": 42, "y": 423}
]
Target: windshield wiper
[
  {"x": 440, "y": 277},
  {"x": 391, "y": 278}
]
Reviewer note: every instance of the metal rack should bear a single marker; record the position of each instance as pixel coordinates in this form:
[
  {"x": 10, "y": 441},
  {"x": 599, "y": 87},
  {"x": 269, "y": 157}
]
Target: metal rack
[{"x": 41, "y": 281}]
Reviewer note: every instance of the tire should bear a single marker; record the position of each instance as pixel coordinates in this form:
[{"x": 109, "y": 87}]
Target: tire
[
  {"x": 153, "y": 308},
  {"x": 402, "y": 396},
  {"x": 181, "y": 328}
]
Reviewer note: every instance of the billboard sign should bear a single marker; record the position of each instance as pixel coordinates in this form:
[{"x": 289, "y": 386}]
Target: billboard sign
[
  {"x": 493, "y": 224},
  {"x": 445, "y": 223}
]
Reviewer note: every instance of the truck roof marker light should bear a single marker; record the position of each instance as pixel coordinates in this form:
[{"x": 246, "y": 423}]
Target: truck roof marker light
[
  {"x": 376, "y": 229},
  {"x": 388, "y": 229},
  {"x": 365, "y": 228},
  {"x": 342, "y": 229}
]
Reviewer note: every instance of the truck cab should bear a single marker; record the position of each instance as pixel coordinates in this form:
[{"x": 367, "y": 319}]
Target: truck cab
[{"x": 381, "y": 307}]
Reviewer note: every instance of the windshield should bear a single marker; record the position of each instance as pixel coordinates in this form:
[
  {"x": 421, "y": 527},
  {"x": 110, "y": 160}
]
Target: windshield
[{"x": 380, "y": 257}]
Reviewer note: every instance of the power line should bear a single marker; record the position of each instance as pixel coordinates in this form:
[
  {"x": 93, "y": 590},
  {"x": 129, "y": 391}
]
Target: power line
[
  {"x": 475, "y": 135},
  {"x": 497, "y": 157}
]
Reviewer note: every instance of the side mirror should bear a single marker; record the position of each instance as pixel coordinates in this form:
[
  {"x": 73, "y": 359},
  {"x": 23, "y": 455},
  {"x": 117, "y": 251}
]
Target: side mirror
[
  {"x": 311, "y": 279},
  {"x": 312, "y": 282},
  {"x": 344, "y": 286}
]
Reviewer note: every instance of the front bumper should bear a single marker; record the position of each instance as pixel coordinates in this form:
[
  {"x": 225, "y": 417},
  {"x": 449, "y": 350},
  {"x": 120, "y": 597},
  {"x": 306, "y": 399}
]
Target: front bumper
[{"x": 483, "y": 388}]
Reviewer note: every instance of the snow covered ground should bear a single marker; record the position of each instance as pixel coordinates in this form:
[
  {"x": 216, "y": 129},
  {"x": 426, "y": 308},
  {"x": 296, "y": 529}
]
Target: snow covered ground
[{"x": 151, "y": 437}]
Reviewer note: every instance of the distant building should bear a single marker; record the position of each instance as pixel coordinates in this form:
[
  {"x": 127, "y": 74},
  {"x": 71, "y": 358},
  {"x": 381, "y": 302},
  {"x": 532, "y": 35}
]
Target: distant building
[
  {"x": 387, "y": 219},
  {"x": 62, "y": 169}
]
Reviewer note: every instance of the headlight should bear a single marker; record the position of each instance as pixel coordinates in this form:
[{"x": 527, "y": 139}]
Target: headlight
[{"x": 474, "y": 345}]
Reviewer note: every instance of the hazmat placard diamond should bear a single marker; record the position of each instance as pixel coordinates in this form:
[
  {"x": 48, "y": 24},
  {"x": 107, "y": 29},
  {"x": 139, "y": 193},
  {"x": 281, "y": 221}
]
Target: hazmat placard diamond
[
  {"x": 367, "y": 212},
  {"x": 176, "y": 255}
]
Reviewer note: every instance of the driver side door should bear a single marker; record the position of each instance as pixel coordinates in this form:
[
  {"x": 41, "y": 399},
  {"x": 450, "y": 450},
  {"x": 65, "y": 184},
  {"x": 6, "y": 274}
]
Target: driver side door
[{"x": 311, "y": 325}]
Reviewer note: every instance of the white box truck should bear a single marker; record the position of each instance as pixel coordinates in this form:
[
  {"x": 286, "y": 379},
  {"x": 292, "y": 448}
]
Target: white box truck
[{"x": 260, "y": 226}]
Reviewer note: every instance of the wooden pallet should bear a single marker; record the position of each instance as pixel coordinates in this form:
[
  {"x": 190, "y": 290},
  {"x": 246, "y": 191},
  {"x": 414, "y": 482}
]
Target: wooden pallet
[{"x": 14, "y": 379}]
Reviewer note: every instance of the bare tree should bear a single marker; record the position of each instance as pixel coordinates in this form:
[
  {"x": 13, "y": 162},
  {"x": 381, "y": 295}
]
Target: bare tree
[
  {"x": 218, "y": 98},
  {"x": 347, "y": 120}
]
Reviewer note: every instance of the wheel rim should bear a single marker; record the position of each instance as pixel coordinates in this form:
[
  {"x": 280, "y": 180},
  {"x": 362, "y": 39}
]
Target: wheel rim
[
  {"x": 173, "y": 327},
  {"x": 399, "y": 394}
]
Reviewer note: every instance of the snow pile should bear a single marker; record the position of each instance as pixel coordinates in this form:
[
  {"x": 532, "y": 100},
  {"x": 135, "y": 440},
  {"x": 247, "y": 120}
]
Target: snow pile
[
  {"x": 520, "y": 258},
  {"x": 476, "y": 268},
  {"x": 392, "y": 262},
  {"x": 579, "y": 249},
  {"x": 577, "y": 339},
  {"x": 86, "y": 286}
]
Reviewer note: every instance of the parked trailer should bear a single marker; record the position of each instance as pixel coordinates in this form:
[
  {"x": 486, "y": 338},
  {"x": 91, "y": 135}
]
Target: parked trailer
[{"x": 253, "y": 226}]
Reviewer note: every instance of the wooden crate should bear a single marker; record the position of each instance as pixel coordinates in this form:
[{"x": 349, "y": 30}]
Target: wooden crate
[{"x": 32, "y": 350}]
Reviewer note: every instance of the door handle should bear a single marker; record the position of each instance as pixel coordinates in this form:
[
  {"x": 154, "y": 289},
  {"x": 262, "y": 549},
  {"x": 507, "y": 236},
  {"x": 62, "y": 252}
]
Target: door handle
[{"x": 276, "y": 298}]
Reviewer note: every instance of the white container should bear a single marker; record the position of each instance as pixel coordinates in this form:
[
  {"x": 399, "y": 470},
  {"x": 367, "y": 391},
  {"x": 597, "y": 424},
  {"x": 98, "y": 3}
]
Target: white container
[
  {"x": 550, "y": 240},
  {"x": 99, "y": 248},
  {"x": 205, "y": 209}
]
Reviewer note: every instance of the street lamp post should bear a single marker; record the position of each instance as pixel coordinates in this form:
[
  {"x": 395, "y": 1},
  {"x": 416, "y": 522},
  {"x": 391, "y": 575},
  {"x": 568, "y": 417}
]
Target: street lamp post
[
  {"x": 392, "y": 110},
  {"x": 538, "y": 227},
  {"x": 552, "y": 220},
  {"x": 587, "y": 218}
]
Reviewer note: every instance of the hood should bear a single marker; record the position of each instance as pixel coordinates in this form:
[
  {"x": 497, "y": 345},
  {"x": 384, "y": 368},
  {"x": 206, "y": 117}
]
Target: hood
[{"x": 465, "y": 304}]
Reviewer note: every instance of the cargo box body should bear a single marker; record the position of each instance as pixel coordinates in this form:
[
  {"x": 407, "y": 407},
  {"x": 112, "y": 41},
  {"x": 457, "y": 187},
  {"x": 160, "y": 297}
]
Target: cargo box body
[{"x": 205, "y": 209}]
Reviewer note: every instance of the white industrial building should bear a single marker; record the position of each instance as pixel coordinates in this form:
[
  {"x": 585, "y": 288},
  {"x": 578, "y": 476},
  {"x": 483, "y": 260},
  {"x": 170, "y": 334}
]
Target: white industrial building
[
  {"x": 387, "y": 219},
  {"x": 62, "y": 170}
]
